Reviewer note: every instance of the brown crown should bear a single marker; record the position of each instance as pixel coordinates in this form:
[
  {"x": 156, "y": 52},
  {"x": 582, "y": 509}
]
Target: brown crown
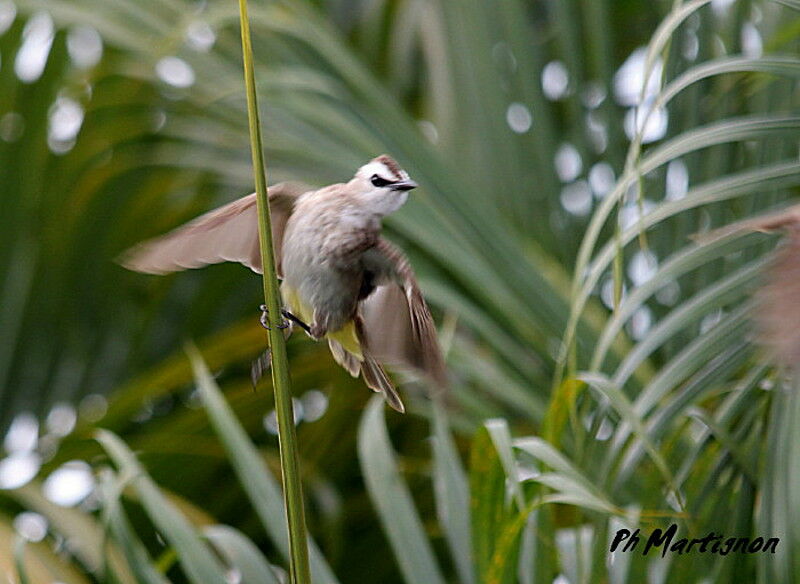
[{"x": 390, "y": 163}]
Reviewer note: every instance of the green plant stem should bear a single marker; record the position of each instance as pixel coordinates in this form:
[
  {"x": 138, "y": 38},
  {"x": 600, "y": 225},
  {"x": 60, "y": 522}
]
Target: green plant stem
[{"x": 293, "y": 496}]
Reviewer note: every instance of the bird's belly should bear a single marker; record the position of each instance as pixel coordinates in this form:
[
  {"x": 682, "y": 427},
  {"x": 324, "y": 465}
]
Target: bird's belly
[
  {"x": 328, "y": 288},
  {"x": 345, "y": 335},
  {"x": 319, "y": 286},
  {"x": 293, "y": 301}
]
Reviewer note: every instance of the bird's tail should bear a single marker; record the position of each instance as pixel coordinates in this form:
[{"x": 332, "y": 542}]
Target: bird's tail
[
  {"x": 345, "y": 358},
  {"x": 373, "y": 372},
  {"x": 376, "y": 379}
]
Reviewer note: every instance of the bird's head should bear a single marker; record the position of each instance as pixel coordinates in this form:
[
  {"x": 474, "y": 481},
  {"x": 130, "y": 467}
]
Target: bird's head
[{"x": 381, "y": 185}]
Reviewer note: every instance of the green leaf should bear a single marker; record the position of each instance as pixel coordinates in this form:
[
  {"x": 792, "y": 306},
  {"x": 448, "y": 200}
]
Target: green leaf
[
  {"x": 717, "y": 295},
  {"x": 496, "y": 528},
  {"x": 452, "y": 495},
  {"x": 261, "y": 487},
  {"x": 779, "y": 515},
  {"x": 664, "y": 34},
  {"x": 86, "y": 537},
  {"x": 120, "y": 530},
  {"x": 790, "y": 3},
  {"x": 567, "y": 479},
  {"x": 621, "y": 403},
  {"x": 199, "y": 564},
  {"x": 241, "y": 553},
  {"x": 674, "y": 267},
  {"x": 501, "y": 438},
  {"x": 393, "y": 501},
  {"x": 746, "y": 464}
]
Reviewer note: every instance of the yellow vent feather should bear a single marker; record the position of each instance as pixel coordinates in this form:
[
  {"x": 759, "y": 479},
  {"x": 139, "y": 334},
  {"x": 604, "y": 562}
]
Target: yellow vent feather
[{"x": 346, "y": 336}]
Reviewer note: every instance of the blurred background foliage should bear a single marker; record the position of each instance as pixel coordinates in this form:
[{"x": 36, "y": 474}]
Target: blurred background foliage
[{"x": 603, "y": 369}]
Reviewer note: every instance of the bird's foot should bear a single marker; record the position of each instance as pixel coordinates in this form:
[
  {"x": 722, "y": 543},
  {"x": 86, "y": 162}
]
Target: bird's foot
[
  {"x": 296, "y": 320},
  {"x": 285, "y": 323},
  {"x": 265, "y": 318}
]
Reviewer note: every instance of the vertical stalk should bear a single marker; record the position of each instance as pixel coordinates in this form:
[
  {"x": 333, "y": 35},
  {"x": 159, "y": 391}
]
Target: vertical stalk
[{"x": 292, "y": 491}]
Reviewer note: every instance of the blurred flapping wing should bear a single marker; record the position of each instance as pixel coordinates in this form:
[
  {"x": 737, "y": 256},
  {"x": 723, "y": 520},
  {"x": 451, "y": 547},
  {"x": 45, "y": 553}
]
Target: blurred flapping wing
[{"x": 226, "y": 234}]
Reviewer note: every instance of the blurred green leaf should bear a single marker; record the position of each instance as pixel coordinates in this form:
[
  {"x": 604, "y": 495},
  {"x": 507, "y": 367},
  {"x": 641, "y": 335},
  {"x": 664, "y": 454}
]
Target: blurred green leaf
[
  {"x": 120, "y": 529},
  {"x": 452, "y": 495},
  {"x": 199, "y": 564},
  {"x": 262, "y": 489},
  {"x": 240, "y": 553},
  {"x": 496, "y": 526},
  {"x": 392, "y": 499}
]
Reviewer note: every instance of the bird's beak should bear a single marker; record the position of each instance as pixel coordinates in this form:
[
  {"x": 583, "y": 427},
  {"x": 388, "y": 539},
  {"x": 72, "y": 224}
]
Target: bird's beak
[{"x": 404, "y": 185}]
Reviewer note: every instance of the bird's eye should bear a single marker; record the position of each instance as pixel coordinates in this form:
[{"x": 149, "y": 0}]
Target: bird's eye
[{"x": 379, "y": 182}]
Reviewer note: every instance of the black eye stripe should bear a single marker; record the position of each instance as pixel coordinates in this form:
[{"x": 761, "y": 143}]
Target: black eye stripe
[{"x": 379, "y": 182}]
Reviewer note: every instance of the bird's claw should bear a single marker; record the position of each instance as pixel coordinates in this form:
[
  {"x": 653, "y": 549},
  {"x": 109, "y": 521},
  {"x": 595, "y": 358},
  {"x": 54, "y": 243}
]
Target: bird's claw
[
  {"x": 264, "y": 320},
  {"x": 295, "y": 319}
]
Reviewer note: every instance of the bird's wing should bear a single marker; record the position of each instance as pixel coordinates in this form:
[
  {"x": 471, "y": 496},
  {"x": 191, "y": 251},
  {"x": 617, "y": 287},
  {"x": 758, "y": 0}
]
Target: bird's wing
[
  {"x": 398, "y": 325},
  {"x": 229, "y": 233}
]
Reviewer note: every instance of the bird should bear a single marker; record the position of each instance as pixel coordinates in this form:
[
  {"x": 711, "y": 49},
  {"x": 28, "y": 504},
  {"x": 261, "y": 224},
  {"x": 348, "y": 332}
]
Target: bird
[
  {"x": 777, "y": 311},
  {"x": 341, "y": 281}
]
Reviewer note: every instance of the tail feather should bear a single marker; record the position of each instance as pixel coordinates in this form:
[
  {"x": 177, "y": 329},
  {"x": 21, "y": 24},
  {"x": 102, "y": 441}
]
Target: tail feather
[
  {"x": 344, "y": 358},
  {"x": 376, "y": 379},
  {"x": 373, "y": 373}
]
